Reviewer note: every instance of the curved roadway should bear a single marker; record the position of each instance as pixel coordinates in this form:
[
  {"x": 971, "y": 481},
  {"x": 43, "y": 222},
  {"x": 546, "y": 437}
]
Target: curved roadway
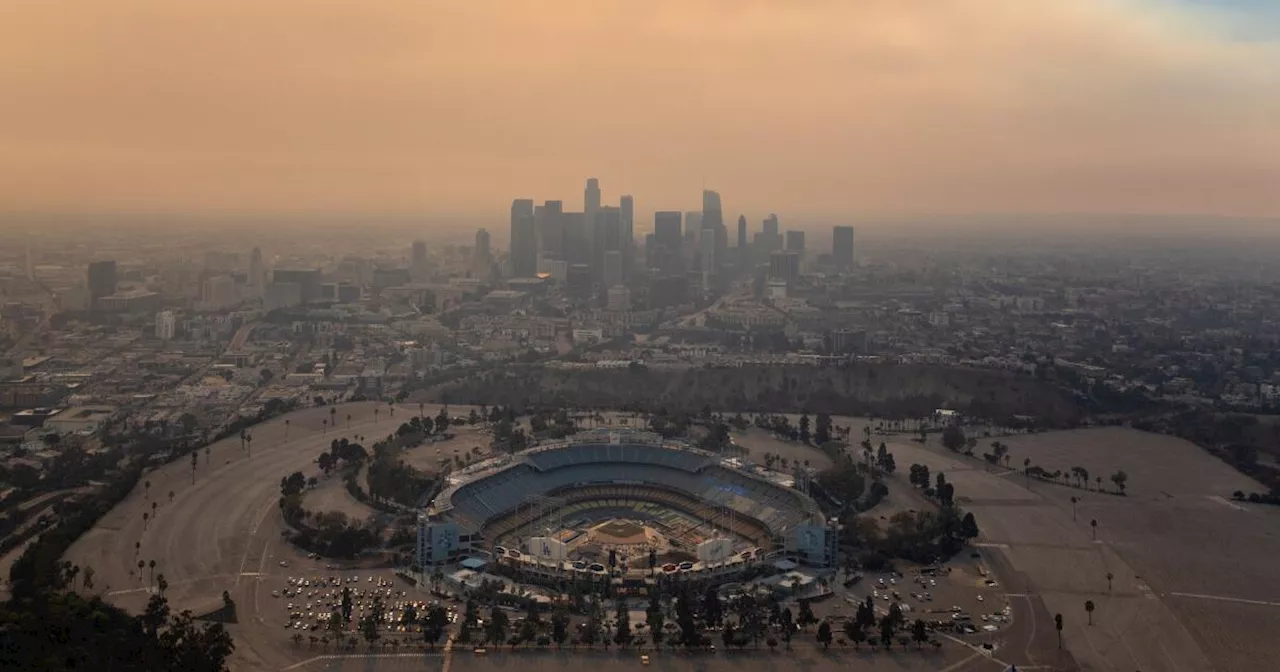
[{"x": 224, "y": 531}]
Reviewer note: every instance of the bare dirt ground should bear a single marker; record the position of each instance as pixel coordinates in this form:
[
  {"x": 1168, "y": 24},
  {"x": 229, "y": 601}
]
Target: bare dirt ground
[
  {"x": 1193, "y": 586},
  {"x": 331, "y": 495},
  {"x": 759, "y": 442}
]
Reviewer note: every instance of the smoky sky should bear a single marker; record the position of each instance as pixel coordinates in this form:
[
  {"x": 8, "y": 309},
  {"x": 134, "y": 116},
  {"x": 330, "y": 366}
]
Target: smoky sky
[{"x": 809, "y": 107}]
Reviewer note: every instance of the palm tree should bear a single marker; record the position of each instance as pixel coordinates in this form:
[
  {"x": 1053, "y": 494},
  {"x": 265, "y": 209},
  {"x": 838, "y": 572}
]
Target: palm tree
[
  {"x": 141, "y": 565},
  {"x": 348, "y": 420},
  {"x": 153, "y": 510},
  {"x": 146, "y": 489},
  {"x": 170, "y": 496},
  {"x": 324, "y": 425},
  {"x": 145, "y": 517},
  {"x": 161, "y": 584},
  {"x": 1094, "y": 524},
  {"x": 1110, "y": 576},
  {"x": 195, "y": 459},
  {"x": 152, "y": 565},
  {"x": 375, "y": 415},
  {"x": 88, "y": 577},
  {"x": 286, "y": 429},
  {"x": 333, "y": 412},
  {"x": 1074, "y": 499},
  {"x": 1088, "y": 607}
]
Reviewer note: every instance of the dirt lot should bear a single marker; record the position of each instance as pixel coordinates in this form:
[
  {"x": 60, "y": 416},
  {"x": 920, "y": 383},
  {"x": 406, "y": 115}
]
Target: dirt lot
[
  {"x": 1193, "y": 585},
  {"x": 759, "y": 442},
  {"x": 331, "y": 495}
]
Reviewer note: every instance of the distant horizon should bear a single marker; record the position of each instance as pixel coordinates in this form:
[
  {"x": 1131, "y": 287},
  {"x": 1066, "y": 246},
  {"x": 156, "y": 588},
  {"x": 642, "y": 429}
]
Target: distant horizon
[{"x": 889, "y": 225}]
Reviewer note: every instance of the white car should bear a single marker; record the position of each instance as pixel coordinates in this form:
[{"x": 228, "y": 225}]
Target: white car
[{"x": 284, "y": 563}]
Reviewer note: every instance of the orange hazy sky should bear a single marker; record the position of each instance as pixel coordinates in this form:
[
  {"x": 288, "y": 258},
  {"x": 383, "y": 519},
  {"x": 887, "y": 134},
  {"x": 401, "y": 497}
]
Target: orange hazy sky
[{"x": 808, "y": 107}]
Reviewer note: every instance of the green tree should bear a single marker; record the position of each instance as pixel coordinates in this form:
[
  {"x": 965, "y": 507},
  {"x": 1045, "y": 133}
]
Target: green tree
[
  {"x": 919, "y": 633},
  {"x": 853, "y": 630},
  {"x": 434, "y": 624},
  {"x": 1120, "y": 479},
  {"x": 1057, "y": 625},
  {"x": 952, "y": 438},
  {"x": 496, "y": 629},
  {"x": 560, "y": 628},
  {"x": 655, "y": 620},
  {"x": 804, "y": 428},
  {"x": 824, "y": 634}
]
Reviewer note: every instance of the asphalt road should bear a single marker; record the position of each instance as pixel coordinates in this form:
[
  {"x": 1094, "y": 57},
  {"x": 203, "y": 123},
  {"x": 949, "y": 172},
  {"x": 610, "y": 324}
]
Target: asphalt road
[{"x": 221, "y": 532}]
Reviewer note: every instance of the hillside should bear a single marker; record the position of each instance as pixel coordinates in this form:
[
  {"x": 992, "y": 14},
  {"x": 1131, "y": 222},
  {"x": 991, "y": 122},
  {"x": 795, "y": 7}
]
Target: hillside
[{"x": 861, "y": 389}]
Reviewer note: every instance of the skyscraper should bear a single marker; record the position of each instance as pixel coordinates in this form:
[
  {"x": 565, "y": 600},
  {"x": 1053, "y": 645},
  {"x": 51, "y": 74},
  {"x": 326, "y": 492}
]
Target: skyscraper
[
  {"x": 842, "y": 245},
  {"x": 713, "y": 220},
  {"x": 524, "y": 239},
  {"x": 666, "y": 228},
  {"x": 607, "y": 238},
  {"x": 744, "y": 255},
  {"x": 481, "y": 254},
  {"x": 628, "y": 207},
  {"x": 418, "y": 260},
  {"x": 551, "y": 234},
  {"x": 102, "y": 279},
  {"x": 257, "y": 274},
  {"x": 795, "y": 242},
  {"x": 771, "y": 225},
  {"x": 611, "y": 269},
  {"x": 591, "y": 205}
]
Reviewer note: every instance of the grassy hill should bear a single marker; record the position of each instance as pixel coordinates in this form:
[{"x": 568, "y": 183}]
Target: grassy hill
[{"x": 861, "y": 389}]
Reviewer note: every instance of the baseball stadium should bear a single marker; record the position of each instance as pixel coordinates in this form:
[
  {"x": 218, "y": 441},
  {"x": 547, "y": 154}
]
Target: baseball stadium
[{"x": 622, "y": 502}]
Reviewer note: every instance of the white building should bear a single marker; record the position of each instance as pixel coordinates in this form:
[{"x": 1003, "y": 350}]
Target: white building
[
  {"x": 166, "y": 325},
  {"x": 619, "y": 299}
]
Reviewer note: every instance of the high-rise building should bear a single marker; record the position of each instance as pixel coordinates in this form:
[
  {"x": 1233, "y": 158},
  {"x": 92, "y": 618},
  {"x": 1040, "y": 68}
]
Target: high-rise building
[
  {"x": 771, "y": 225},
  {"x": 219, "y": 292},
  {"x": 577, "y": 246},
  {"x": 481, "y": 255},
  {"x": 795, "y": 242},
  {"x": 418, "y": 260},
  {"x": 744, "y": 253},
  {"x": 666, "y": 229},
  {"x": 102, "y": 279},
  {"x": 307, "y": 279},
  {"x": 628, "y": 208},
  {"x": 784, "y": 266},
  {"x": 607, "y": 237},
  {"x": 842, "y": 245},
  {"x": 611, "y": 269},
  {"x": 578, "y": 281},
  {"x": 590, "y": 206},
  {"x": 524, "y": 239},
  {"x": 257, "y": 273},
  {"x": 551, "y": 233},
  {"x": 713, "y": 219},
  {"x": 166, "y": 325},
  {"x": 667, "y": 240}
]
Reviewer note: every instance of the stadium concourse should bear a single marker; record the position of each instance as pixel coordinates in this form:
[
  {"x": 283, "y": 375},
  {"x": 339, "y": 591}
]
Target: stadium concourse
[{"x": 719, "y": 513}]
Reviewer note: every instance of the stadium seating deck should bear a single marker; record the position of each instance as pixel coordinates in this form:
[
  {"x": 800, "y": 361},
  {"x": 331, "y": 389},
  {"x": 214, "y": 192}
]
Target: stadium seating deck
[{"x": 627, "y": 475}]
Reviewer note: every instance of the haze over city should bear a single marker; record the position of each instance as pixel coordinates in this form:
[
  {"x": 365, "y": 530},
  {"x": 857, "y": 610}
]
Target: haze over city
[
  {"x": 818, "y": 110},
  {"x": 712, "y": 335}
]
